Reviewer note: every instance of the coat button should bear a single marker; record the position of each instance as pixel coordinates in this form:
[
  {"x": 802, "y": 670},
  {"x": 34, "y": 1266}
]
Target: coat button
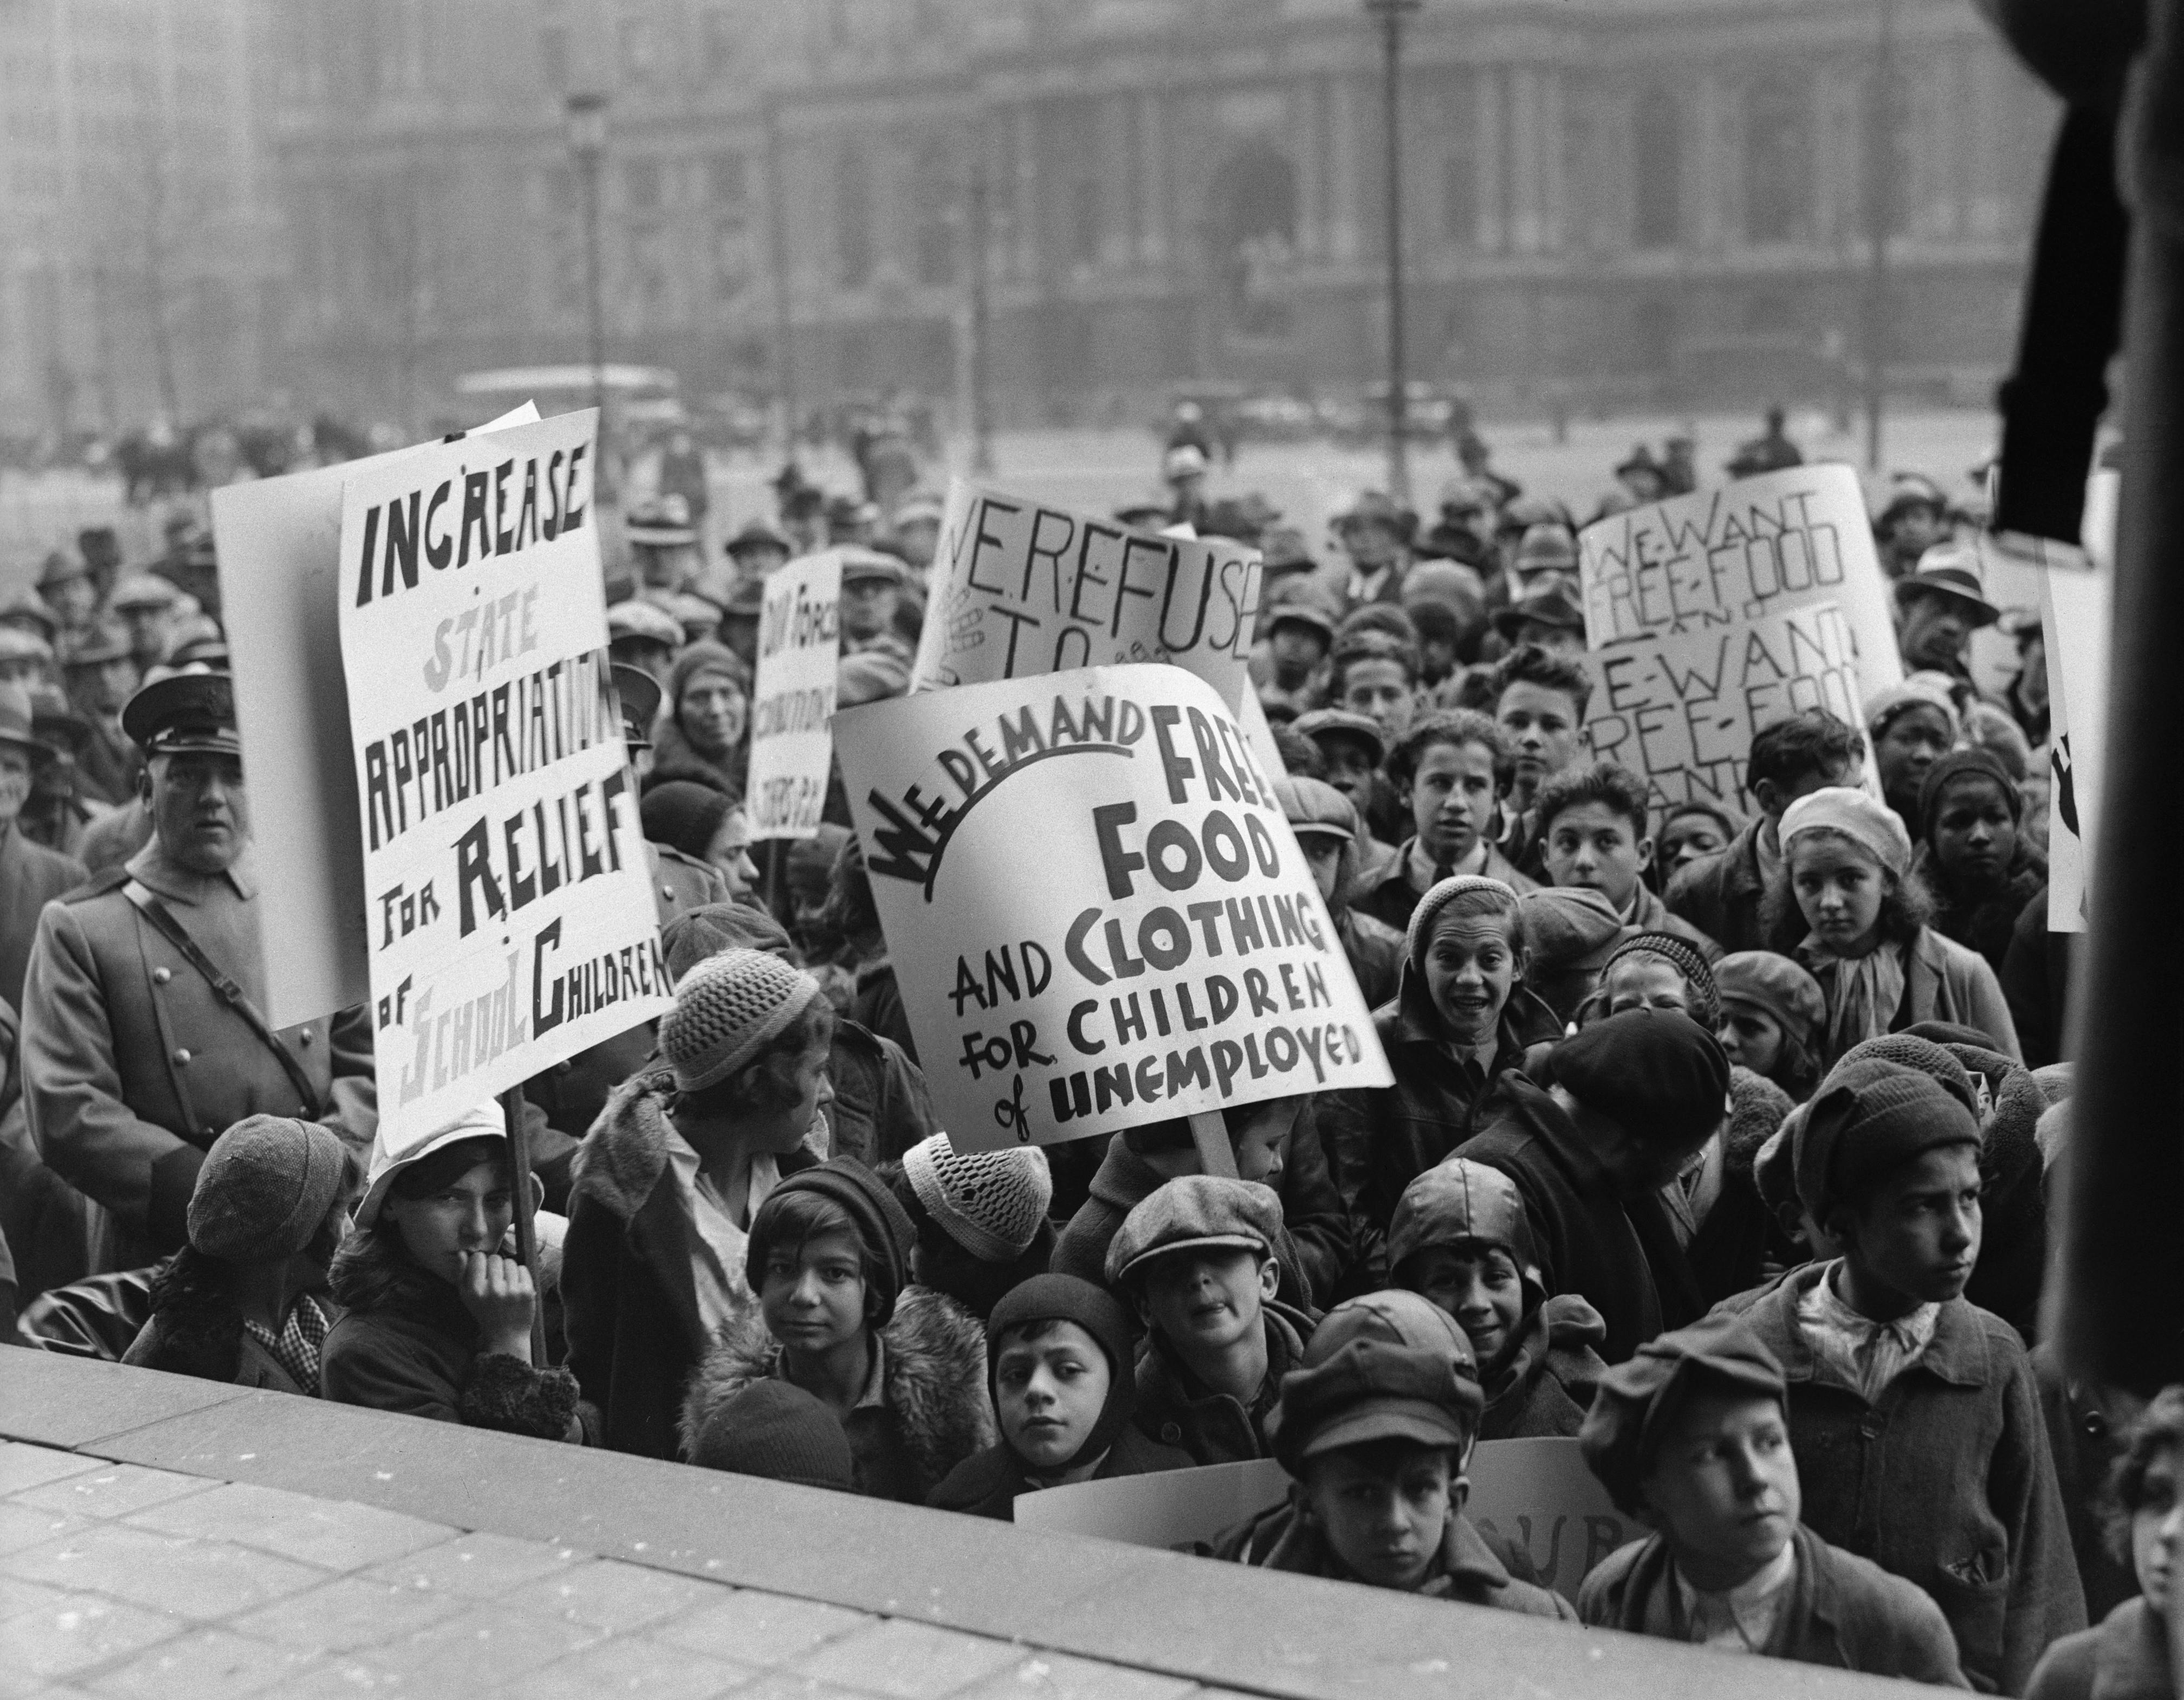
[
  {"x": 304, "y": 1037},
  {"x": 161, "y": 976},
  {"x": 182, "y": 1055},
  {"x": 1171, "y": 1433}
]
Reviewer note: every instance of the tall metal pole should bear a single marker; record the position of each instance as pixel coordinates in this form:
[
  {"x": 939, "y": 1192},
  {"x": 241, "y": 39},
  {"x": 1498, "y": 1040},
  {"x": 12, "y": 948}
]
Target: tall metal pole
[
  {"x": 981, "y": 328},
  {"x": 587, "y": 142},
  {"x": 1390, "y": 14},
  {"x": 785, "y": 319},
  {"x": 1880, "y": 219}
]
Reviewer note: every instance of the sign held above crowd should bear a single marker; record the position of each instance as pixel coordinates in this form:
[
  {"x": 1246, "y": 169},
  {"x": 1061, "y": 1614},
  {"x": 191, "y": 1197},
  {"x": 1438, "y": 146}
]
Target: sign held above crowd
[
  {"x": 1098, "y": 914},
  {"x": 800, "y": 646}
]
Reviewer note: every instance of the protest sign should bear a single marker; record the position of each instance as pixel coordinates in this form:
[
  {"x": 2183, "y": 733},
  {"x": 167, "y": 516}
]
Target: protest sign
[
  {"x": 2076, "y": 611},
  {"x": 1020, "y": 587},
  {"x": 1681, "y": 710},
  {"x": 1540, "y": 1497},
  {"x": 800, "y": 645},
  {"x": 279, "y": 541},
  {"x": 507, "y": 896},
  {"x": 1740, "y": 553},
  {"x": 1172, "y": 1508},
  {"x": 1097, "y": 914}
]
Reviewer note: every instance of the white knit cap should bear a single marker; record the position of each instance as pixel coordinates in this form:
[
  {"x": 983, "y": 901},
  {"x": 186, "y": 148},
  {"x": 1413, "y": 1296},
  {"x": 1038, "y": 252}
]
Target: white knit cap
[
  {"x": 726, "y": 1009},
  {"x": 991, "y": 1203},
  {"x": 484, "y": 1121}
]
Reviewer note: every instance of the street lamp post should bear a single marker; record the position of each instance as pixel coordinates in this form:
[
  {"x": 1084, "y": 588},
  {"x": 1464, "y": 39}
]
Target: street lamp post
[
  {"x": 1880, "y": 219},
  {"x": 587, "y": 146},
  {"x": 1392, "y": 14},
  {"x": 979, "y": 306}
]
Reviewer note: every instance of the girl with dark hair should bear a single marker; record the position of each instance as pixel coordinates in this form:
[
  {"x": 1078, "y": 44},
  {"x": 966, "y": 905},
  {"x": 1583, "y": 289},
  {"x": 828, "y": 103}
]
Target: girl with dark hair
[{"x": 1974, "y": 854}]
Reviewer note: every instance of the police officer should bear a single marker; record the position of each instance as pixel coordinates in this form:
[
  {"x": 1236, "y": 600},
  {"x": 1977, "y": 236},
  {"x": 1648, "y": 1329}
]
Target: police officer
[
  {"x": 30, "y": 873},
  {"x": 143, "y": 1036}
]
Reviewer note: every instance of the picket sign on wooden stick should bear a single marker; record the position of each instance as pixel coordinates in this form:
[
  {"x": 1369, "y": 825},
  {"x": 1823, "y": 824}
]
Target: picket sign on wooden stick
[
  {"x": 526, "y": 1216},
  {"x": 1209, "y": 1132}
]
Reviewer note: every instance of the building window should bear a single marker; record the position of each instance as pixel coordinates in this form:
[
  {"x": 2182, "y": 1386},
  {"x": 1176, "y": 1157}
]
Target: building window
[
  {"x": 718, "y": 40},
  {"x": 1653, "y": 336},
  {"x": 853, "y": 221},
  {"x": 1086, "y": 220},
  {"x": 554, "y": 57},
  {"x": 731, "y": 258},
  {"x": 1778, "y": 160},
  {"x": 1657, "y": 164},
  {"x": 1459, "y": 198},
  {"x": 638, "y": 49},
  {"x": 934, "y": 190},
  {"x": 641, "y": 183},
  {"x": 727, "y": 180}
]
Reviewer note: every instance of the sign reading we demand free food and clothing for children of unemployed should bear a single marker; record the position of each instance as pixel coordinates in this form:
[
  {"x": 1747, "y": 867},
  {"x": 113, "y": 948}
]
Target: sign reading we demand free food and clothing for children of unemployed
[
  {"x": 1020, "y": 587},
  {"x": 1097, "y": 913},
  {"x": 508, "y": 897},
  {"x": 799, "y": 646}
]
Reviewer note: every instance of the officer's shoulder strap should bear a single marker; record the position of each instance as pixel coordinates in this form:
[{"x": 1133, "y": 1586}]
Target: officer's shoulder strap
[{"x": 105, "y": 880}]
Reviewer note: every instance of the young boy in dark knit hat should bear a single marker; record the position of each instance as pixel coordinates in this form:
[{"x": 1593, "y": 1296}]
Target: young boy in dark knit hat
[
  {"x": 776, "y": 1430},
  {"x": 1375, "y": 1427},
  {"x": 1915, "y": 1415},
  {"x": 1690, "y": 1436},
  {"x": 1197, "y": 1260},
  {"x": 1064, "y": 1392},
  {"x": 903, "y": 1367}
]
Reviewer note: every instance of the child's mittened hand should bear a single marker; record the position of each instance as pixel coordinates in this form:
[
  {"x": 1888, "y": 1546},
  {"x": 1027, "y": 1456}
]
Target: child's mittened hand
[{"x": 497, "y": 1293}]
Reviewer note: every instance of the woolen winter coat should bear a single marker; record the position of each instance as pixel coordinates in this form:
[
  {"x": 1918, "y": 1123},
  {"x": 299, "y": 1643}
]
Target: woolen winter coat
[
  {"x": 404, "y": 1343},
  {"x": 933, "y": 1391},
  {"x": 1543, "y": 1380},
  {"x": 2124, "y": 1657},
  {"x": 1947, "y": 1480},
  {"x": 1842, "y": 1611},
  {"x": 628, "y": 1294},
  {"x": 1176, "y": 1409},
  {"x": 196, "y": 1329},
  {"x": 987, "y": 1483},
  {"x": 1720, "y": 894}
]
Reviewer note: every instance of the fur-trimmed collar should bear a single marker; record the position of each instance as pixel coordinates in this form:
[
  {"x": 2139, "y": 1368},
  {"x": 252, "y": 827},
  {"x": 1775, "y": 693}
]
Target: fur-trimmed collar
[
  {"x": 624, "y": 1155},
  {"x": 200, "y": 1324},
  {"x": 934, "y": 1378}
]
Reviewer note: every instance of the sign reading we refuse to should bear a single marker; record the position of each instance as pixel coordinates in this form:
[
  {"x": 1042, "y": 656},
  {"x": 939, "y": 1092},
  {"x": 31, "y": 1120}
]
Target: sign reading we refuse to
[
  {"x": 508, "y": 898},
  {"x": 1097, "y": 912}
]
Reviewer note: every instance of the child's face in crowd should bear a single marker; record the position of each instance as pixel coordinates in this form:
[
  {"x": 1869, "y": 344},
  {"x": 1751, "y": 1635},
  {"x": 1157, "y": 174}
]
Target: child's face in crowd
[
  {"x": 2157, "y": 1529},
  {"x": 812, "y": 1296},
  {"x": 867, "y": 607},
  {"x": 783, "y": 1130},
  {"x": 1915, "y": 1236},
  {"x": 1642, "y": 981},
  {"x": 1049, "y": 1392},
  {"x": 1323, "y": 856},
  {"x": 1473, "y": 963},
  {"x": 1590, "y": 845},
  {"x": 1686, "y": 839},
  {"x": 1381, "y": 691},
  {"x": 1475, "y": 1283},
  {"x": 1749, "y": 1037},
  {"x": 1384, "y": 1509},
  {"x": 1839, "y": 890},
  {"x": 1914, "y": 741},
  {"x": 1207, "y": 1299},
  {"x": 1296, "y": 650},
  {"x": 1259, "y": 1135},
  {"x": 471, "y": 1216},
  {"x": 1722, "y": 1487},
  {"x": 1350, "y": 770},
  {"x": 1452, "y": 799},
  {"x": 1974, "y": 830},
  {"x": 1542, "y": 727}
]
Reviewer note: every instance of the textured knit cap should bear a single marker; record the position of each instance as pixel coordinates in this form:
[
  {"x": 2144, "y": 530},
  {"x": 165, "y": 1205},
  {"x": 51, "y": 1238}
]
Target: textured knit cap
[
  {"x": 776, "y": 1429},
  {"x": 1639, "y": 1398},
  {"x": 1390, "y": 1365},
  {"x": 1868, "y": 1119},
  {"x": 1100, "y": 1313},
  {"x": 1458, "y": 1200},
  {"x": 1687, "y": 960},
  {"x": 1842, "y": 809},
  {"x": 1776, "y": 987},
  {"x": 1977, "y": 762},
  {"x": 703, "y": 660},
  {"x": 712, "y": 928},
  {"x": 484, "y": 1121},
  {"x": 883, "y": 1227},
  {"x": 991, "y": 1203},
  {"x": 1774, "y": 1169},
  {"x": 1657, "y": 1072},
  {"x": 684, "y": 815},
  {"x": 1914, "y": 1051},
  {"x": 265, "y": 1186},
  {"x": 1568, "y": 927},
  {"x": 1195, "y": 1211},
  {"x": 1419, "y": 933},
  {"x": 725, "y": 1009}
]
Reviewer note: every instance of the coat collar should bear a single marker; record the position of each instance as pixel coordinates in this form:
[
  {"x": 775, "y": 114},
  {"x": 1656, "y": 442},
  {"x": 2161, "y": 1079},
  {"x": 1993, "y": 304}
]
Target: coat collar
[
  {"x": 150, "y": 867},
  {"x": 1957, "y": 1353}
]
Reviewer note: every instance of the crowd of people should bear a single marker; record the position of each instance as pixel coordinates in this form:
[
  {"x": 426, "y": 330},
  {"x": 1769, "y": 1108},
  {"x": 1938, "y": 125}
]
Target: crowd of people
[{"x": 1721, "y": 1143}]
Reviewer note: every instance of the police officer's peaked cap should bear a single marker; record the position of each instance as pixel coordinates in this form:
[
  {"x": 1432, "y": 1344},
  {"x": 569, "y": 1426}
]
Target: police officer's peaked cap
[{"x": 184, "y": 712}]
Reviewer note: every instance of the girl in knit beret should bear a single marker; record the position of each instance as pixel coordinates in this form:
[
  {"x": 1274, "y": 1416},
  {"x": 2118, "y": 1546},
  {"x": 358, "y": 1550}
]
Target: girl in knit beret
[
  {"x": 1773, "y": 1014},
  {"x": 1657, "y": 971},
  {"x": 702, "y": 736},
  {"x": 1848, "y": 905}
]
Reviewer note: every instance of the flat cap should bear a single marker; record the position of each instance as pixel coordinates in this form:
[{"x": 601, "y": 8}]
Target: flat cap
[{"x": 1195, "y": 1213}]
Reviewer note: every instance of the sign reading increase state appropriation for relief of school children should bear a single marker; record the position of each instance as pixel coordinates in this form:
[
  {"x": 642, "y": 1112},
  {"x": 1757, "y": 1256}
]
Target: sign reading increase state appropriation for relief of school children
[
  {"x": 1020, "y": 587},
  {"x": 1735, "y": 555},
  {"x": 800, "y": 645},
  {"x": 508, "y": 901},
  {"x": 1096, "y": 911}
]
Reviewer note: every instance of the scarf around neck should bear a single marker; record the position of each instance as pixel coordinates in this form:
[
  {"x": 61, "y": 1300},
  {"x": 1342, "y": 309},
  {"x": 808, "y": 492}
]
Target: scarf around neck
[{"x": 1864, "y": 993}]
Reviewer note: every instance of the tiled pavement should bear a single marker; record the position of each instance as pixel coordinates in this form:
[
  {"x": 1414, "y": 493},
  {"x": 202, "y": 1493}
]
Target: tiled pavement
[{"x": 171, "y": 1538}]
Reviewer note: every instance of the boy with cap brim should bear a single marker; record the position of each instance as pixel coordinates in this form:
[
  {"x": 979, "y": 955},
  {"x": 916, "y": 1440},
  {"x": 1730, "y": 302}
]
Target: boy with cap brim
[
  {"x": 1375, "y": 1427},
  {"x": 1196, "y": 1259},
  {"x": 1916, "y": 1414},
  {"x": 1064, "y": 1393},
  {"x": 1689, "y": 1436}
]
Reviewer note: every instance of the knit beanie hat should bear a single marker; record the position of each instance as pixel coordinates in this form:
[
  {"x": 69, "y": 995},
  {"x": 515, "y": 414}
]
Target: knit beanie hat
[
  {"x": 1568, "y": 927},
  {"x": 1638, "y": 1398},
  {"x": 883, "y": 1227},
  {"x": 1920, "y": 690},
  {"x": 1420, "y": 932},
  {"x": 712, "y": 928},
  {"x": 991, "y": 1203},
  {"x": 1777, "y": 988},
  {"x": 776, "y": 1429},
  {"x": 1911, "y": 1050},
  {"x": 1659, "y": 1074},
  {"x": 1390, "y": 1365},
  {"x": 1869, "y": 1119},
  {"x": 684, "y": 815},
  {"x": 1068, "y": 1298},
  {"x": 1873, "y": 827},
  {"x": 702, "y": 660},
  {"x": 1687, "y": 960},
  {"x": 1977, "y": 762},
  {"x": 725, "y": 1009},
  {"x": 264, "y": 1187},
  {"x": 1774, "y": 1170}
]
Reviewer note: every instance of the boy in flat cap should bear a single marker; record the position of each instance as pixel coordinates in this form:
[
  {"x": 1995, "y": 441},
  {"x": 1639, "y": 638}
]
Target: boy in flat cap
[
  {"x": 1375, "y": 1427},
  {"x": 1691, "y": 1436},
  {"x": 1914, "y": 1413},
  {"x": 1197, "y": 1260}
]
